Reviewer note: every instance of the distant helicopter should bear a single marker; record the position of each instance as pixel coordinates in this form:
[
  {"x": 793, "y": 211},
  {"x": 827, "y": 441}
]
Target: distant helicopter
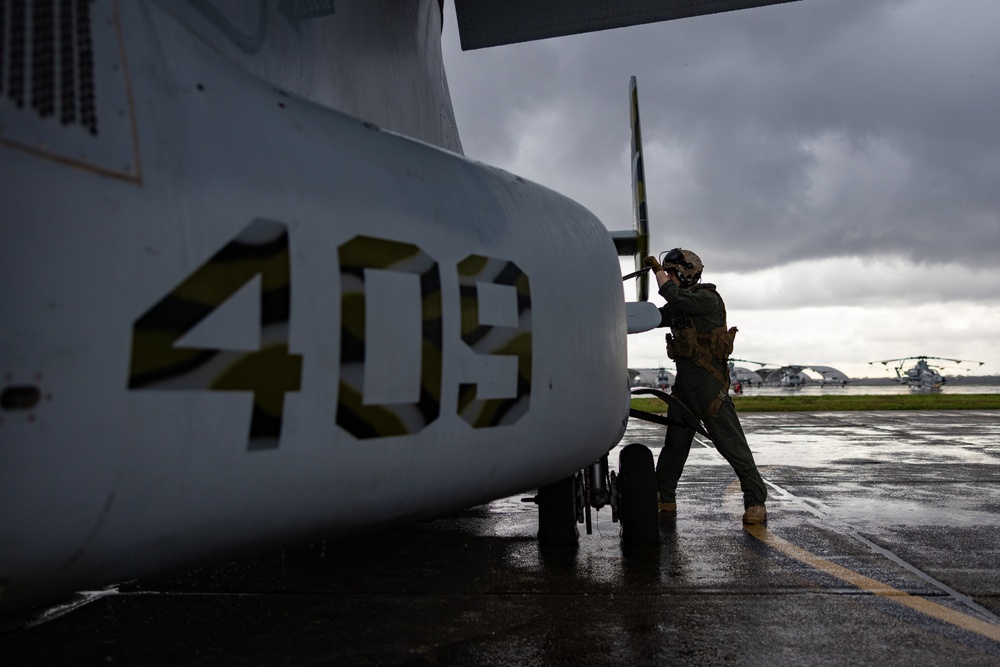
[
  {"x": 740, "y": 376},
  {"x": 922, "y": 376},
  {"x": 644, "y": 378},
  {"x": 664, "y": 379}
]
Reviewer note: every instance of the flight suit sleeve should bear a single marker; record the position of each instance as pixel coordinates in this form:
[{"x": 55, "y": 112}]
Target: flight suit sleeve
[
  {"x": 687, "y": 301},
  {"x": 665, "y": 312}
]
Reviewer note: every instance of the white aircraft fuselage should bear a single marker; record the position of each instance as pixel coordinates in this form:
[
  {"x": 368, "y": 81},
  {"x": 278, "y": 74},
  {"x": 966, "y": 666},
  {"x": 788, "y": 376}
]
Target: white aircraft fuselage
[{"x": 253, "y": 293}]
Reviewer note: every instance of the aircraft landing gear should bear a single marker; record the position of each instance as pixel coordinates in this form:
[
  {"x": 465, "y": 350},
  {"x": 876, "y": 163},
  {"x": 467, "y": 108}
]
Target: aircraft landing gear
[
  {"x": 558, "y": 505},
  {"x": 637, "y": 509},
  {"x": 631, "y": 493}
]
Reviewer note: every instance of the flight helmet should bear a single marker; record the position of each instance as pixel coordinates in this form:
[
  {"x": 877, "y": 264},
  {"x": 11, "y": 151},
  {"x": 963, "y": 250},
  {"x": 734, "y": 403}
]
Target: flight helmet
[{"x": 684, "y": 263}]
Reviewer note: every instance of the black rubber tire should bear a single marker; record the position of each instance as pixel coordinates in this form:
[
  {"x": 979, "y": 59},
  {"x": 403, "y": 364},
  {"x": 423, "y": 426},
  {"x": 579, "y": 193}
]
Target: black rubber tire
[
  {"x": 637, "y": 484},
  {"x": 557, "y": 512}
]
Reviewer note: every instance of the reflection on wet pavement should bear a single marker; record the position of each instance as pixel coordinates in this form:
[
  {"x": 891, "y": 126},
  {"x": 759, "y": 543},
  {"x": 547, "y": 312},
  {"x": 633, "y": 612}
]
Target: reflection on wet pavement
[{"x": 883, "y": 546}]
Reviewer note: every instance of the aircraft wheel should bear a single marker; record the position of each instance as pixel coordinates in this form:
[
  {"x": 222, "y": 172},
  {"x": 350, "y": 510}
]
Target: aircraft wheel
[
  {"x": 637, "y": 495},
  {"x": 557, "y": 512}
]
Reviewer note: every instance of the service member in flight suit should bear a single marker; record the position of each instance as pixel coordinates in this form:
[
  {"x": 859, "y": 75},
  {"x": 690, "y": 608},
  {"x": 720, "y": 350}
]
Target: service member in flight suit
[{"x": 700, "y": 345}]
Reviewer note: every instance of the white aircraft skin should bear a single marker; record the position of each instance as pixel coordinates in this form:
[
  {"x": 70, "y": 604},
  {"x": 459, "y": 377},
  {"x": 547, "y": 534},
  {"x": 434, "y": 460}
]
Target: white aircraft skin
[
  {"x": 253, "y": 293},
  {"x": 139, "y": 454}
]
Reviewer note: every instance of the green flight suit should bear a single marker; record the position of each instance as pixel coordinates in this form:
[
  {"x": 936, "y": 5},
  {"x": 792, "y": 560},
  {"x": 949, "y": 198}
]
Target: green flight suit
[{"x": 702, "y": 307}]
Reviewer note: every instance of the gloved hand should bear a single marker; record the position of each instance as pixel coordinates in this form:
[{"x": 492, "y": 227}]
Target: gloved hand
[{"x": 652, "y": 263}]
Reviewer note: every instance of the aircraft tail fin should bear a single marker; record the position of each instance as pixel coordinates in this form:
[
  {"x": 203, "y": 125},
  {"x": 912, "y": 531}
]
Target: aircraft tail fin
[
  {"x": 640, "y": 219},
  {"x": 635, "y": 242}
]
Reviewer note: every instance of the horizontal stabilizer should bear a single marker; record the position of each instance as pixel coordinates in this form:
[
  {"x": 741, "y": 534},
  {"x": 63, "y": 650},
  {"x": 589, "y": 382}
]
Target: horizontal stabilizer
[
  {"x": 482, "y": 24},
  {"x": 642, "y": 316}
]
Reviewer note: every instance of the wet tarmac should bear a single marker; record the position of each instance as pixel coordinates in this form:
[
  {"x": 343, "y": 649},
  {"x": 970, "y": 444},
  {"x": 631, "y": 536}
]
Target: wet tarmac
[{"x": 883, "y": 547}]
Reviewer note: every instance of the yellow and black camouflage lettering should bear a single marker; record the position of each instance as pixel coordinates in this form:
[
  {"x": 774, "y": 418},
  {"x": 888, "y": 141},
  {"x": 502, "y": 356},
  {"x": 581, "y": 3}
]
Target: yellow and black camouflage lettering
[
  {"x": 377, "y": 421},
  {"x": 262, "y": 248},
  {"x": 495, "y": 340}
]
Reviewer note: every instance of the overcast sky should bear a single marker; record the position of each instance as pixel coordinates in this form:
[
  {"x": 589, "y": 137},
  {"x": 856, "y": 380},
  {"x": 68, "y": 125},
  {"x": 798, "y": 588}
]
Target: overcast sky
[{"x": 835, "y": 163}]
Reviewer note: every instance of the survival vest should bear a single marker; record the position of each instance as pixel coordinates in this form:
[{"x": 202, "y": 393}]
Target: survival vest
[{"x": 685, "y": 342}]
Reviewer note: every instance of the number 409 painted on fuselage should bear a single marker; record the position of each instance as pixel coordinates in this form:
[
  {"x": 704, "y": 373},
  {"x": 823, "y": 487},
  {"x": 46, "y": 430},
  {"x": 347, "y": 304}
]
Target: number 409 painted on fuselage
[{"x": 262, "y": 249}]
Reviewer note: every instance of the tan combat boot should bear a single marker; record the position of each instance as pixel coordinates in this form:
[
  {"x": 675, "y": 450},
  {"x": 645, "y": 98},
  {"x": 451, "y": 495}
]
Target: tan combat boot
[{"x": 755, "y": 515}]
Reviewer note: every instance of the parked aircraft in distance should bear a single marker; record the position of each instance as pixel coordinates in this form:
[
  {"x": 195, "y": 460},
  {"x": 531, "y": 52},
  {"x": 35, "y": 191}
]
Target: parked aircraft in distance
[
  {"x": 659, "y": 378},
  {"x": 254, "y": 293},
  {"x": 922, "y": 376},
  {"x": 792, "y": 376},
  {"x": 740, "y": 376}
]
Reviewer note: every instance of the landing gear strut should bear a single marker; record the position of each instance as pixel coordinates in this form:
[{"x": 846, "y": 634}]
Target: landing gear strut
[{"x": 557, "y": 511}]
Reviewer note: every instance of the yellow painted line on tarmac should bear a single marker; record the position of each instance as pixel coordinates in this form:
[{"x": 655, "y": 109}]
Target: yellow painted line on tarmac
[
  {"x": 853, "y": 578},
  {"x": 932, "y": 609}
]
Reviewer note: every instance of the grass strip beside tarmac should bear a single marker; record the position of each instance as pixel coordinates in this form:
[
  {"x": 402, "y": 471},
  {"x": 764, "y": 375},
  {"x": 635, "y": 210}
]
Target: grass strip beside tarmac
[{"x": 826, "y": 403}]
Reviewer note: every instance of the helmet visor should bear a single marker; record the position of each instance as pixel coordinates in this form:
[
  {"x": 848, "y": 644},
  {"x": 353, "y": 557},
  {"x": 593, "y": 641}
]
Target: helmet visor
[{"x": 675, "y": 256}]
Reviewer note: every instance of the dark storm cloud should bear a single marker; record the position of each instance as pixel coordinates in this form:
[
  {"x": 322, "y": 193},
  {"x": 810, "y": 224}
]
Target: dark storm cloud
[{"x": 814, "y": 129}]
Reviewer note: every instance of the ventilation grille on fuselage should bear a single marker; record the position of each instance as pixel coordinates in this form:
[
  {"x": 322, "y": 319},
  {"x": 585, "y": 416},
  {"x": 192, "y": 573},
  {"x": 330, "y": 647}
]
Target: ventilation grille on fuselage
[{"x": 47, "y": 59}]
